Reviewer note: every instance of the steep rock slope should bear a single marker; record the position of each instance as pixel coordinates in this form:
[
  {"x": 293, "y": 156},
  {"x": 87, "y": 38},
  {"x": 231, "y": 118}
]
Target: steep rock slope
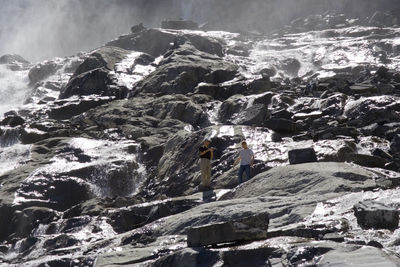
[{"x": 103, "y": 155}]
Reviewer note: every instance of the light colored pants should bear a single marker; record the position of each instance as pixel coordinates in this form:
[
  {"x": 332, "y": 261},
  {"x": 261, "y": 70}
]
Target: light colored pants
[{"x": 205, "y": 167}]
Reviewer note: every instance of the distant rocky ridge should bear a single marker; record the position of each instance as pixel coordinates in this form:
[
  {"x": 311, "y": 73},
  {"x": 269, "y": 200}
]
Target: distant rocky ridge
[{"x": 108, "y": 174}]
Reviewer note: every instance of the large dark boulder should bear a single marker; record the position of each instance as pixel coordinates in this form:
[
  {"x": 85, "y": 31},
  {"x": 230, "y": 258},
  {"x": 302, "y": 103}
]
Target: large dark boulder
[
  {"x": 126, "y": 219},
  {"x": 28, "y": 219},
  {"x": 250, "y": 228},
  {"x": 98, "y": 81},
  {"x": 259, "y": 86},
  {"x": 151, "y": 41},
  {"x": 379, "y": 109},
  {"x": 60, "y": 241},
  {"x": 59, "y": 193},
  {"x": 183, "y": 69},
  {"x": 366, "y": 160},
  {"x": 305, "y": 155},
  {"x": 157, "y": 42},
  {"x": 373, "y": 214},
  {"x": 203, "y": 44},
  {"x": 242, "y": 110},
  {"x": 42, "y": 70},
  {"x": 281, "y": 125},
  {"x": 104, "y": 57},
  {"x": 12, "y": 120},
  {"x": 31, "y": 136},
  {"x": 221, "y": 91}
]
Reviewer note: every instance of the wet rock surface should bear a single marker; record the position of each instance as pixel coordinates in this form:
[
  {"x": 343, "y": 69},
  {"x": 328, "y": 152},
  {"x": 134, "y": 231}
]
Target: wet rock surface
[{"x": 100, "y": 166}]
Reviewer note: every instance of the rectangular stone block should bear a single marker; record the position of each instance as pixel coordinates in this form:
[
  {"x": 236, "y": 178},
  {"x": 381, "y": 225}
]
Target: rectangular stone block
[
  {"x": 304, "y": 155},
  {"x": 246, "y": 229}
]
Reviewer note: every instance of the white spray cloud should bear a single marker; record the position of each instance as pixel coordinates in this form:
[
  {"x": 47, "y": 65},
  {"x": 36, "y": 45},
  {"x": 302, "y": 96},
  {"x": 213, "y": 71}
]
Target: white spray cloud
[{"x": 39, "y": 29}]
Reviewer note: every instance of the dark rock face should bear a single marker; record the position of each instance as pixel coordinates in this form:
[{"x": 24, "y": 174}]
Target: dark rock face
[
  {"x": 366, "y": 160},
  {"x": 220, "y": 92},
  {"x": 98, "y": 81},
  {"x": 183, "y": 69},
  {"x": 250, "y": 228},
  {"x": 66, "y": 110},
  {"x": 305, "y": 155},
  {"x": 144, "y": 59},
  {"x": 126, "y": 219},
  {"x": 42, "y": 71},
  {"x": 104, "y": 57},
  {"x": 372, "y": 214},
  {"x": 143, "y": 41},
  {"x": 373, "y": 109},
  {"x": 13, "y": 121},
  {"x": 281, "y": 125},
  {"x": 108, "y": 173},
  {"x": 30, "y": 218},
  {"x": 235, "y": 110}
]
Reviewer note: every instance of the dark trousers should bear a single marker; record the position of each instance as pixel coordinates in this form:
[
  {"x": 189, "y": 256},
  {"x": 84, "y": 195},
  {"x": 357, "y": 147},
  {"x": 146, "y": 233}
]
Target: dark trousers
[{"x": 244, "y": 168}]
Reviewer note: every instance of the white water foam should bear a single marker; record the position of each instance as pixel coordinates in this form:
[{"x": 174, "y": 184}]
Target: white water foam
[{"x": 13, "y": 88}]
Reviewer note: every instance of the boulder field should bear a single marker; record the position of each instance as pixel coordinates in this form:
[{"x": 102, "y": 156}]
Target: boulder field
[{"x": 104, "y": 152}]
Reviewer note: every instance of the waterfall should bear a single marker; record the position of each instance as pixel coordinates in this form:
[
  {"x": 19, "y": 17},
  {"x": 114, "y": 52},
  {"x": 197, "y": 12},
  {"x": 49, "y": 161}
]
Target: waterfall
[{"x": 13, "y": 88}]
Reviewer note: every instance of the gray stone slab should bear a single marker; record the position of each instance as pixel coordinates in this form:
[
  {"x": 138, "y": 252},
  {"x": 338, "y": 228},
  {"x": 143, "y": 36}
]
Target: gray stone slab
[{"x": 246, "y": 229}]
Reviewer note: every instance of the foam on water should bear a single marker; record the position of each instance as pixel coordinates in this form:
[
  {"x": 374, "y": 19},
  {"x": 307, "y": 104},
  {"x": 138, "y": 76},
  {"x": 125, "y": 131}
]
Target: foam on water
[{"x": 128, "y": 73}]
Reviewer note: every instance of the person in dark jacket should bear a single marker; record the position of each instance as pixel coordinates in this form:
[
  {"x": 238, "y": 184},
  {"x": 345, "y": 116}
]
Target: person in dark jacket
[{"x": 206, "y": 155}]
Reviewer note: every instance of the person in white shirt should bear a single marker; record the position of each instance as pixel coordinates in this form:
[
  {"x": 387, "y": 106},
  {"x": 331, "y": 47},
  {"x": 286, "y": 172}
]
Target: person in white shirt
[{"x": 246, "y": 159}]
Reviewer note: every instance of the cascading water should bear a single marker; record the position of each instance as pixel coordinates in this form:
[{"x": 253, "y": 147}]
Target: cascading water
[{"x": 13, "y": 88}]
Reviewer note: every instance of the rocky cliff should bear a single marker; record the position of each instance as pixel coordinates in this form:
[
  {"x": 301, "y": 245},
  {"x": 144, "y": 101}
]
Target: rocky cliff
[{"x": 100, "y": 168}]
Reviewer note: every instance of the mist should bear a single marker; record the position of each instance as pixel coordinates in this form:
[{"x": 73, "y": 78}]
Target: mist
[{"x": 41, "y": 29}]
